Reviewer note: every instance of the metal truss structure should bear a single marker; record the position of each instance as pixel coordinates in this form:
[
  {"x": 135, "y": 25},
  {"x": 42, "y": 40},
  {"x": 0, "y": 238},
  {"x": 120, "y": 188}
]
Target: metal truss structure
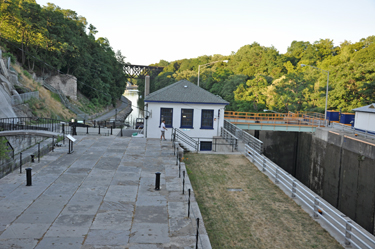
[{"x": 137, "y": 71}]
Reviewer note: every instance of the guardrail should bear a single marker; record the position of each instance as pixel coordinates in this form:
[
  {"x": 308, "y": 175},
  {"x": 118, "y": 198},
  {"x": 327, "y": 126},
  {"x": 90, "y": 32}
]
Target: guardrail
[
  {"x": 352, "y": 130},
  {"x": 351, "y": 232},
  {"x": 229, "y": 137},
  {"x": 179, "y": 135},
  {"x": 23, "y": 97},
  {"x": 290, "y": 119},
  {"x": 30, "y": 123},
  {"x": 248, "y": 139}
]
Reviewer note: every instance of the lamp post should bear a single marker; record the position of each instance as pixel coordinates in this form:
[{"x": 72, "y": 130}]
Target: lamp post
[
  {"x": 325, "y": 112},
  {"x": 199, "y": 67}
]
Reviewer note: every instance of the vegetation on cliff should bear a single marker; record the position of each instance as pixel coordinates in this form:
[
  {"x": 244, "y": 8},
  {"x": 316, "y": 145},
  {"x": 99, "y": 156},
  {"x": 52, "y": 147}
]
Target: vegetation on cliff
[
  {"x": 258, "y": 77},
  {"x": 52, "y": 40}
]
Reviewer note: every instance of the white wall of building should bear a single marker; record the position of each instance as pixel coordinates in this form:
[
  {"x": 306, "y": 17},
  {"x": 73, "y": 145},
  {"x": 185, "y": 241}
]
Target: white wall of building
[
  {"x": 365, "y": 121},
  {"x": 152, "y": 124}
]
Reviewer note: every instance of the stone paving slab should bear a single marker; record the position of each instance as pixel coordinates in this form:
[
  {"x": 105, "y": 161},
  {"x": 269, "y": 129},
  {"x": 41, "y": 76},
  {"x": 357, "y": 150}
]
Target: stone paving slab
[{"x": 100, "y": 197}]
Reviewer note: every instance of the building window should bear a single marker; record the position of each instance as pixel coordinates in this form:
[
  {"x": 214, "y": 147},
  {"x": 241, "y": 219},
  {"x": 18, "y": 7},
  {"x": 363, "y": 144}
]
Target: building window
[
  {"x": 206, "y": 146},
  {"x": 187, "y": 118},
  {"x": 167, "y": 115},
  {"x": 207, "y": 121}
]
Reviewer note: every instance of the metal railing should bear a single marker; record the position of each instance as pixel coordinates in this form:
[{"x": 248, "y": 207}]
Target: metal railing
[
  {"x": 30, "y": 123},
  {"x": 288, "y": 119},
  {"x": 23, "y": 97},
  {"x": 178, "y": 135},
  {"x": 248, "y": 139},
  {"x": 351, "y": 129},
  {"x": 351, "y": 232},
  {"x": 229, "y": 137}
]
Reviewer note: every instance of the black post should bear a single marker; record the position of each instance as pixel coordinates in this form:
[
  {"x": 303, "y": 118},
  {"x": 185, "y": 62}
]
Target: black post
[
  {"x": 99, "y": 129},
  {"x": 111, "y": 130},
  {"x": 179, "y": 170},
  {"x": 189, "y": 204},
  {"x": 94, "y": 123},
  {"x": 197, "y": 236},
  {"x": 183, "y": 182},
  {"x": 53, "y": 143},
  {"x": 87, "y": 130},
  {"x": 32, "y": 158},
  {"x": 38, "y": 152},
  {"x": 20, "y": 162},
  {"x": 63, "y": 132},
  {"x": 121, "y": 131},
  {"x": 69, "y": 147},
  {"x": 157, "y": 181},
  {"x": 28, "y": 177},
  {"x": 105, "y": 123}
]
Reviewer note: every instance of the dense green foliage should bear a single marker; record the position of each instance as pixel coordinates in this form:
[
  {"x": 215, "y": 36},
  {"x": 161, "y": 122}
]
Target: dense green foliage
[
  {"x": 257, "y": 77},
  {"x": 53, "y": 39}
]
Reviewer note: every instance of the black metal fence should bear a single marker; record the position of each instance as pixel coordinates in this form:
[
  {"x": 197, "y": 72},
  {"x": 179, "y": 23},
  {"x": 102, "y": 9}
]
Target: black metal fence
[{"x": 31, "y": 123}]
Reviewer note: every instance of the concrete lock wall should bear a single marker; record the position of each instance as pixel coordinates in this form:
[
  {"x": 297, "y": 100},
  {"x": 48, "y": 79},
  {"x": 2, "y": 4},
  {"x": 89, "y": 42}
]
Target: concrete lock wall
[{"x": 340, "y": 169}]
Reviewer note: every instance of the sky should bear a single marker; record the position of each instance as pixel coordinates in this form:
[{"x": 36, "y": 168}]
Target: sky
[{"x": 147, "y": 31}]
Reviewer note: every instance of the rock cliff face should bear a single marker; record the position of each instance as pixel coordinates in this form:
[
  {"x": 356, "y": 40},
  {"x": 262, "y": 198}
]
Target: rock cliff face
[
  {"x": 6, "y": 91},
  {"x": 66, "y": 83}
]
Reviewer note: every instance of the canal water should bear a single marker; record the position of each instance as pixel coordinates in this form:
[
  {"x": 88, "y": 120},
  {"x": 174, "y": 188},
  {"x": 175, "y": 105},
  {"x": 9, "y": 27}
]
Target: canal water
[{"x": 133, "y": 96}]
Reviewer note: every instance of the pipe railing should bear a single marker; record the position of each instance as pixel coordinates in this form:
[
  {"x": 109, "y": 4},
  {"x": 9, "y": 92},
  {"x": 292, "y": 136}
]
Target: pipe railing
[
  {"x": 351, "y": 232},
  {"x": 248, "y": 139},
  {"x": 229, "y": 137},
  {"x": 352, "y": 130},
  {"x": 179, "y": 135},
  {"x": 31, "y": 123}
]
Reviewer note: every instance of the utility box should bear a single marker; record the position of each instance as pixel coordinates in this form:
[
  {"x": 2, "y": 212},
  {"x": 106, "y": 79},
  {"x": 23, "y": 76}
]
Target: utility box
[
  {"x": 347, "y": 118},
  {"x": 333, "y": 115}
]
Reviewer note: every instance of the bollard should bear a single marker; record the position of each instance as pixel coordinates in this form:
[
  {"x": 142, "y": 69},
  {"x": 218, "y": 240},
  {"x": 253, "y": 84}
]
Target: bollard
[
  {"x": 32, "y": 158},
  {"x": 197, "y": 236},
  {"x": 121, "y": 132},
  {"x": 179, "y": 170},
  {"x": 53, "y": 143},
  {"x": 38, "y": 152},
  {"x": 87, "y": 130},
  {"x": 20, "y": 162},
  {"x": 99, "y": 129},
  {"x": 63, "y": 132},
  {"x": 28, "y": 176},
  {"x": 157, "y": 181},
  {"x": 183, "y": 182},
  {"x": 189, "y": 204},
  {"x": 111, "y": 130}
]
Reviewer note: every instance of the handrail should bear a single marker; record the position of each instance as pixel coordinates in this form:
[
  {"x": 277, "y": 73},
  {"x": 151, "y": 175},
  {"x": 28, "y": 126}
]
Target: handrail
[
  {"x": 179, "y": 135},
  {"x": 246, "y": 137},
  {"x": 233, "y": 140},
  {"x": 353, "y": 130},
  {"x": 351, "y": 232},
  {"x": 30, "y": 123}
]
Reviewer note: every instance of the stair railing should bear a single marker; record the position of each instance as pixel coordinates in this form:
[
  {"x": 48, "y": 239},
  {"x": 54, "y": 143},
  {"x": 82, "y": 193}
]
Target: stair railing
[{"x": 178, "y": 135}]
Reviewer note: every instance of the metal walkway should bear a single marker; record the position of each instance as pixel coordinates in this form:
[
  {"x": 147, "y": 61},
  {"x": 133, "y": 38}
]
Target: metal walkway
[{"x": 297, "y": 122}]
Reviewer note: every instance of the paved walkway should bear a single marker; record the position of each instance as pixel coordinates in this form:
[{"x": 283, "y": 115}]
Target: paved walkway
[{"x": 101, "y": 196}]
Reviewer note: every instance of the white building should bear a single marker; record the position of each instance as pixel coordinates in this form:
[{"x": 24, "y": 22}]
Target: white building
[
  {"x": 187, "y": 107},
  {"x": 365, "y": 118}
]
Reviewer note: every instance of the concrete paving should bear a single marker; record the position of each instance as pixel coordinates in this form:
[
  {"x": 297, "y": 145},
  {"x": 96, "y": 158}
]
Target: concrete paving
[{"x": 101, "y": 196}]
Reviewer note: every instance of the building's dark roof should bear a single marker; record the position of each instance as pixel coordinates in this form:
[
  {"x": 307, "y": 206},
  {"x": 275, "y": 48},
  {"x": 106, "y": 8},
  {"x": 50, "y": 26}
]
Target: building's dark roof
[
  {"x": 367, "y": 108},
  {"x": 184, "y": 91}
]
